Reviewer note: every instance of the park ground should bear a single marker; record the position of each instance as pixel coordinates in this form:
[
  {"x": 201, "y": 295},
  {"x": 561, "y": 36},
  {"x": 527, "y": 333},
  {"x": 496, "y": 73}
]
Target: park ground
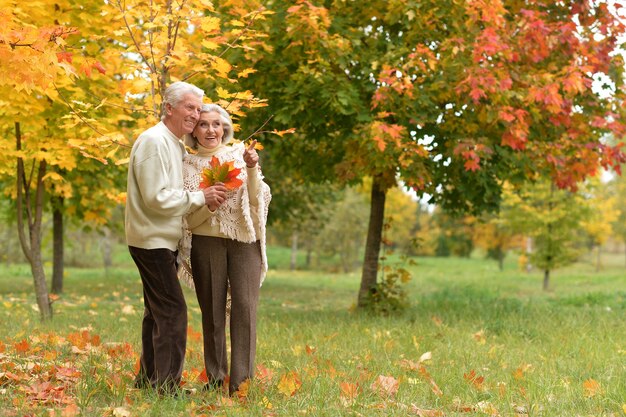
[{"x": 474, "y": 341}]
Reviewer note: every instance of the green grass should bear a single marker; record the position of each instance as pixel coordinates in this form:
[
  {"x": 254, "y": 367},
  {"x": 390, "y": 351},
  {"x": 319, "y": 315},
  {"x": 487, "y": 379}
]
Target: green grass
[{"x": 555, "y": 353}]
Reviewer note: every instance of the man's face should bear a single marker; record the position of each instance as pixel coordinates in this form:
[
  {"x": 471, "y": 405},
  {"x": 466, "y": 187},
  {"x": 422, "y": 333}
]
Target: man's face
[{"x": 183, "y": 118}]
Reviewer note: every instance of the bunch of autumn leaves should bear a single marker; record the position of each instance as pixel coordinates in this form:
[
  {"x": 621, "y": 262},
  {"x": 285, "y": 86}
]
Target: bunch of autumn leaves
[{"x": 224, "y": 172}]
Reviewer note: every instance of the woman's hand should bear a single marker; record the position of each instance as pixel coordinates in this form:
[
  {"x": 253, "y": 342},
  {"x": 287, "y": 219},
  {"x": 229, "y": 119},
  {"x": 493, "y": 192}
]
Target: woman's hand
[
  {"x": 250, "y": 156},
  {"x": 215, "y": 195}
]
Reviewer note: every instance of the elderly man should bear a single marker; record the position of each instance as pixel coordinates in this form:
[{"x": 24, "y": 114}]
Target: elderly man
[{"x": 155, "y": 204}]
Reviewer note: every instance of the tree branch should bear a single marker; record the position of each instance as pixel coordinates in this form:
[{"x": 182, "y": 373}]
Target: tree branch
[
  {"x": 259, "y": 130},
  {"x": 230, "y": 45},
  {"x": 89, "y": 125},
  {"x": 132, "y": 36}
]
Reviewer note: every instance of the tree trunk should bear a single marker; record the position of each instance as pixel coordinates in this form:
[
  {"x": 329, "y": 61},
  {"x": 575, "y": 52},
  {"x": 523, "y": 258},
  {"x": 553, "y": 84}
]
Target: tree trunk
[
  {"x": 373, "y": 242},
  {"x": 31, "y": 246},
  {"x": 309, "y": 256},
  {"x": 599, "y": 259},
  {"x": 501, "y": 261},
  {"x": 546, "y": 279},
  {"x": 529, "y": 250},
  {"x": 107, "y": 251},
  {"x": 294, "y": 251},
  {"x": 58, "y": 261}
]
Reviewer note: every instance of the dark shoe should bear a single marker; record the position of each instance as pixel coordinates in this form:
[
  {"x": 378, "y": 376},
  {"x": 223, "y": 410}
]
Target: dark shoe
[
  {"x": 174, "y": 391},
  {"x": 141, "y": 382}
]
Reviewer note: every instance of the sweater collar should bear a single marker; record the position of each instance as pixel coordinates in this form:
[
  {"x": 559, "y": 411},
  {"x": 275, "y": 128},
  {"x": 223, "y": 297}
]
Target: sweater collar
[
  {"x": 169, "y": 133},
  {"x": 202, "y": 151}
]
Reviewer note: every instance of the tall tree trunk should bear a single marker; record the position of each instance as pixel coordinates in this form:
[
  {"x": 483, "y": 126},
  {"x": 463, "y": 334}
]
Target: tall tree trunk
[
  {"x": 529, "y": 251},
  {"x": 546, "y": 279},
  {"x": 294, "y": 251},
  {"x": 599, "y": 259},
  {"x": 58, "y": 258},
  {"x": 372, "y": 244},
  {"x": 309, "y": 256},
  {"x": 107, "y": 251},
  {"x": 501, "y": 260},
  {"x": 31, "y": 245}
]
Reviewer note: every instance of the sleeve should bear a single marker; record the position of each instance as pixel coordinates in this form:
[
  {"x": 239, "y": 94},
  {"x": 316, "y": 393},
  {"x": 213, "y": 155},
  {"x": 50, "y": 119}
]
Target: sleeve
[
  {"x": 154, "y": 182},
  {"x": 253, "y": 185},
  {"x": 198, "y": 217}
]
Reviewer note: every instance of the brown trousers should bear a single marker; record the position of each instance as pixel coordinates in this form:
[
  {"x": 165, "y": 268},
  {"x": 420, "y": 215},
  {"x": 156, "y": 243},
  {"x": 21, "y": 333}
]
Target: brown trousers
[
  {"x": 164, "y": 326},
  {"x": 216, "y": 263}
]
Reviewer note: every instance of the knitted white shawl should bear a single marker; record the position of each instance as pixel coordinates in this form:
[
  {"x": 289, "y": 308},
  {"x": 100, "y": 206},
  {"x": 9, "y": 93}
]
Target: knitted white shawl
[{"x": 234, "y": 216}]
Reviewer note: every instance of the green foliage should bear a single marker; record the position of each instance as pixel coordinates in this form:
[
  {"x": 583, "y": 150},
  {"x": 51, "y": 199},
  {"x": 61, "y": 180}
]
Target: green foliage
[
  {"x": 550, "y": 217},
  {"x": 343, "y": 234},
  {"x": 455, "y": 234}
]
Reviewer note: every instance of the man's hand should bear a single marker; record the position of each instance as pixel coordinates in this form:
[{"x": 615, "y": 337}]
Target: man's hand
[{"x": 215, "y": 195}]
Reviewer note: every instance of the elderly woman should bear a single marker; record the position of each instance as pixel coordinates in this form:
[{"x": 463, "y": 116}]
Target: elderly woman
[{"x": 227, "y": 247}]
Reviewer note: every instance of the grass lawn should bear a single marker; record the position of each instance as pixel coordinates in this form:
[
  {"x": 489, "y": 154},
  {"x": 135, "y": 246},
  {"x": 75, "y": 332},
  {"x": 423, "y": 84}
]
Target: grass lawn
[{"x": 475, "y": 341}]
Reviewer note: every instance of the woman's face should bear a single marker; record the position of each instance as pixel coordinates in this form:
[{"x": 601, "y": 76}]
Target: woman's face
[{"x": 209, "y": 130}]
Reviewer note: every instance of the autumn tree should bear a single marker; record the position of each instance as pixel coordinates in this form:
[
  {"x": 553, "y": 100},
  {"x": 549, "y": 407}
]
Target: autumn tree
[
  {"x": 30, "y": 66},
  {"x": 453, "y": 98},
  {"x": 602, "y": 214},
  {"x": 551, "y": 217},
  {"x": 619, "y": 225},
  {"x": 455, "y": 235},
  {"x": 87, "y": 84},
  {"x": 494, "y": 237}
]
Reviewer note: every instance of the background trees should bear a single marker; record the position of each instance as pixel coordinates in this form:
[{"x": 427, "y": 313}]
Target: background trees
[
  {"x": 453, "y": 98},
  {"x": 85, "y": 79}
]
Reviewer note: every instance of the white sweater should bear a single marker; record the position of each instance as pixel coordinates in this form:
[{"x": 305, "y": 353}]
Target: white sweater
[{"x": 155, "y": 198}]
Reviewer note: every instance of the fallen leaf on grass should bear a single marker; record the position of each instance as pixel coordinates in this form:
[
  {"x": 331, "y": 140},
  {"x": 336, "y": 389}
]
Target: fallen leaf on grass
[
  {"x": 519, "y": 372},
  {"x": 202, "y": 377},
  {"x": 438, "y": 322},
  {"x": 128, "y": 309},
  {"x": 71, "y": 410},
  {"x": 266, "y": 403},
  {"x": 520, "y": 410},
  {"x": 487, "y": 408},
  {"x": 433, "y": 385},
  {"x": 264, "y": 374},
  {"x": 385, "y": 386},
  {"x": 21, "y": 347},
  {"x": 62, "y": 373},
  {"x": 244, "y": 387},
  {"x": 426, "y": 357},
  {"x": 474, "y": 379},
  {"x": 421, "y": 412},
  {"x": 121, "y": 412},
  {"x": 46, "y": 393},
  {"x": 225, "y": 402},
  {"x": 348, "y": 393},
  {"x": 591, "y": 388},
  {"x": 479, "y": 337},
  {"x": 289, "y": 384}
]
